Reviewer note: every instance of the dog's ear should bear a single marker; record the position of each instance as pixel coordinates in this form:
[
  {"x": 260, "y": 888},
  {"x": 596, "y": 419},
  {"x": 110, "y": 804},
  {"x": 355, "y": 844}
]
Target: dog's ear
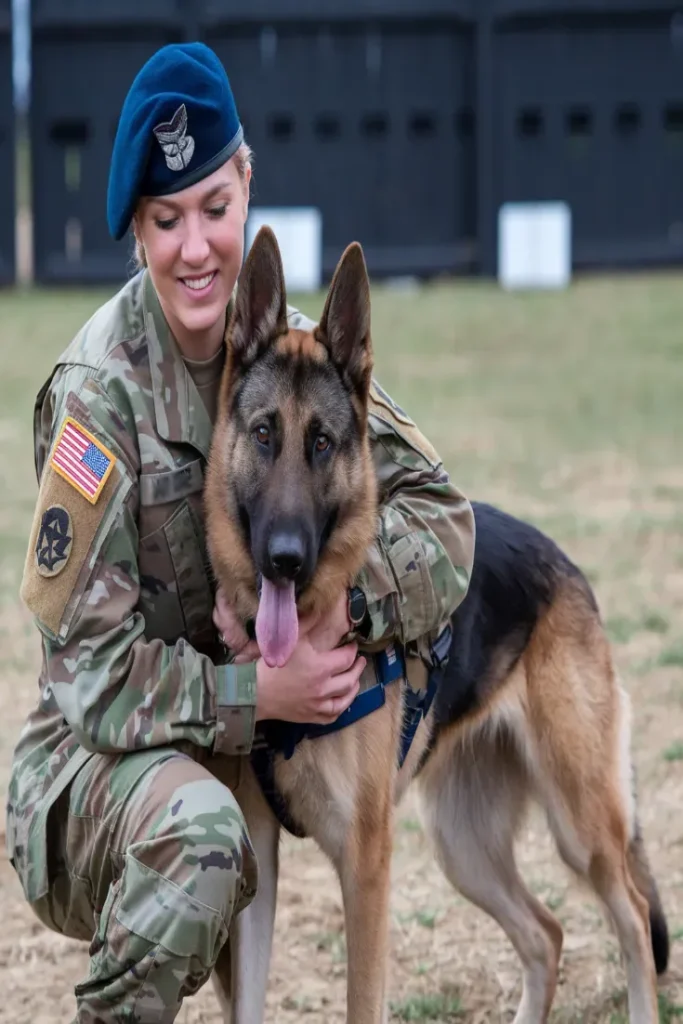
[
  {"x": 260, "y": 313},
  {"x": 344, "y": 326}
]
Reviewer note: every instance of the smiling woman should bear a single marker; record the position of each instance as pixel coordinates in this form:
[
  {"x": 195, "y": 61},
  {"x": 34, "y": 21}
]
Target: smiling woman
[
  {"x": 193, "y": 246},
  {"x": 119, "y": 832}
]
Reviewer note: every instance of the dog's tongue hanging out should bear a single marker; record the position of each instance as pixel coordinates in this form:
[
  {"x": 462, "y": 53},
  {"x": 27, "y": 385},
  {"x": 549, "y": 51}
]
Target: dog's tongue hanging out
[{"x": 277, "y": 623}]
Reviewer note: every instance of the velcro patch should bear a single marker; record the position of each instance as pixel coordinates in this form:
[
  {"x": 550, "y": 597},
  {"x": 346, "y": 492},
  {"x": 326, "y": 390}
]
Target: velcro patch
[
  {"x": 82, "y": 460},
  {"x": 380, "y": 404},
  {"x": 55, "y": 541},
  {"x": 61, "y": 543},
  {"x": 378, "y": 396}
]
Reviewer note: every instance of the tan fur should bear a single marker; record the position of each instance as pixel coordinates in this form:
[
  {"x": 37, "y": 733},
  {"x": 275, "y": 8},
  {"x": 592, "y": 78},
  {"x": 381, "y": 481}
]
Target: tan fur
[
  {"x": 553, "y": 728},
  {"x": 301, "y": 345}
]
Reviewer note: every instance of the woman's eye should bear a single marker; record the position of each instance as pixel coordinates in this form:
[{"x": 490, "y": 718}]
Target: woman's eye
[
  {"x": 218, "y": 211},
  {"x": 322, "y": 443},
  {"x": 262, "y": 435},
  {"x": 166, "y": 224}
]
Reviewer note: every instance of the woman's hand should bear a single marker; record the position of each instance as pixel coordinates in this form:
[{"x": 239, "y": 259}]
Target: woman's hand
[
  {"x": 232, "y": 631},
  {"x": 320, "y": 679},
  {"x": 326, "y": 633},
  {"x": 314, "y": 686},
  {"x": 318, "y": 682}
]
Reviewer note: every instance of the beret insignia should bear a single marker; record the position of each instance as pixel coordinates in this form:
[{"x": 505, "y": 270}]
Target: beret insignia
[{"x": 177, "y": 145}]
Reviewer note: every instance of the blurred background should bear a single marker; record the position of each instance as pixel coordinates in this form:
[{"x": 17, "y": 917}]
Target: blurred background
[{"x": 514, "y": 172}]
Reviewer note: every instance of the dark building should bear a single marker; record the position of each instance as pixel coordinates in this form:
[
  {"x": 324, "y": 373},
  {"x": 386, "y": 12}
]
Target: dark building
[{"x": 406, "y": 122}]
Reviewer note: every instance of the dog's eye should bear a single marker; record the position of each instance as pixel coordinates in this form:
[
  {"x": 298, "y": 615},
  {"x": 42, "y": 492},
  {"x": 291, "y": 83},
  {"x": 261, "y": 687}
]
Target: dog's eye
[
  {"x": 322, "y": 443},
  {"x": 262, "y": 435}
]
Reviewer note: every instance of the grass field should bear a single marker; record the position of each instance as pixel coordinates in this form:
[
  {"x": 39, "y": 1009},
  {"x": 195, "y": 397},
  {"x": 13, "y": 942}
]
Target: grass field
[{"x": 564, "y": 408}]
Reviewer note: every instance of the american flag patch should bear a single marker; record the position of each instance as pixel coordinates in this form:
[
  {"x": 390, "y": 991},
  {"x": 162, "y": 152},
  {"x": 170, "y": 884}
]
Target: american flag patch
[{"x": 81, "y": 460}]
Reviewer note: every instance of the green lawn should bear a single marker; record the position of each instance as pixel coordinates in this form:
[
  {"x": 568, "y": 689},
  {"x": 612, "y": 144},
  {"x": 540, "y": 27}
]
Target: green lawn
[{"x": 532, "y": 399}]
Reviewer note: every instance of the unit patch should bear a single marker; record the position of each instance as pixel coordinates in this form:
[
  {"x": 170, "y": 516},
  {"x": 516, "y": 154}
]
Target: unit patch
[{"x": 55, "y": 541}]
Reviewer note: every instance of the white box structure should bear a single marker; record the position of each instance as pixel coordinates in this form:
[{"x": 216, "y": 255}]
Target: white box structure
[
  {"x": 299, "y": 234},
  {"x": 534, "y": 245}
]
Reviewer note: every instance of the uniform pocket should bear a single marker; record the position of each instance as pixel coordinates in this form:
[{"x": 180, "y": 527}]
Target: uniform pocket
[
  {"x": 64, "y": 900},
  {"x": 159, "y": 600},
  {"x": 176, "y": 594},
  {"x": 188, "y": 554}
]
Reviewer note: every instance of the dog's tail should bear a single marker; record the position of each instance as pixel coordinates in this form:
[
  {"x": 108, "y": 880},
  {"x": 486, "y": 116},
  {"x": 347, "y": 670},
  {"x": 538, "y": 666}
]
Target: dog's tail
[{"x": 647, "y": 887}]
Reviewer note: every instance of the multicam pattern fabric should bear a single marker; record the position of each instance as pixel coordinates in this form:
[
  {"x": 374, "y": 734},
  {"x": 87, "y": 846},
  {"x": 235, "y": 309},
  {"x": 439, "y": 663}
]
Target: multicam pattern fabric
[
  {"x": 129, "y": 658},
  {"x": 149, "y": 863}
]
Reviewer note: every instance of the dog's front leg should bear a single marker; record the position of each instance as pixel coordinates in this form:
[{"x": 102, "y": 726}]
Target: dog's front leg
[
  {"x": 365, "y": 875},
  {"x": 241, "y": 976}
]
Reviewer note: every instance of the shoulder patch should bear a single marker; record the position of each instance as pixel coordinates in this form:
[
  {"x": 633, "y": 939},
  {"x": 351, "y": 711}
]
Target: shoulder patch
[
  {"x": 381, "y": 405},
  {"x": 82, "y": 460},
  {"x": 55, "y": 541},
  {"x": 65, "y": 540},
  {"x": 378, "y": 396}
]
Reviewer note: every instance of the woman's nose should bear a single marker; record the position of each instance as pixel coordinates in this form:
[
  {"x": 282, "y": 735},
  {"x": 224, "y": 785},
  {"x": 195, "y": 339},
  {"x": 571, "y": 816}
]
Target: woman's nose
[{"x": 195, "y": 244}]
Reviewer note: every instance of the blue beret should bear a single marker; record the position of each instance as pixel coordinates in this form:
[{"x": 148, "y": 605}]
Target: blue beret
[{"x": 178, "y": 124}]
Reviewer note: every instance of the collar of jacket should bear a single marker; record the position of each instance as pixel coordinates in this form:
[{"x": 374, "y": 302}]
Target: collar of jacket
[{"x": 181, "y": 415}]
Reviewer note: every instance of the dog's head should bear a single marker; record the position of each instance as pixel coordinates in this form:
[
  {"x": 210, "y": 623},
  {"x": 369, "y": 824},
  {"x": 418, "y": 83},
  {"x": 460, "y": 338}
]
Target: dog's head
[{"x": 290, "y": 492}]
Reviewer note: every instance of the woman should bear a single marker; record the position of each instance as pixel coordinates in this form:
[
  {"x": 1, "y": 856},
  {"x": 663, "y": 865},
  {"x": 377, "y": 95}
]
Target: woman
[{"x": 118, "y": 830}]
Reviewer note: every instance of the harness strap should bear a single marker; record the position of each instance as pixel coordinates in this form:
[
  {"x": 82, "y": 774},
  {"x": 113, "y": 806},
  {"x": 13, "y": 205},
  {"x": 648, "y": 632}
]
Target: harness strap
[
  {"x": 273, "y": 737},
  {"x": 263, "y": 762},
  {"x": 389, "y": 666}
]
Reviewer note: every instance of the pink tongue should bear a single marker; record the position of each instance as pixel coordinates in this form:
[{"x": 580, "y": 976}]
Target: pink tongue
[{"x": 277, "y": 624}]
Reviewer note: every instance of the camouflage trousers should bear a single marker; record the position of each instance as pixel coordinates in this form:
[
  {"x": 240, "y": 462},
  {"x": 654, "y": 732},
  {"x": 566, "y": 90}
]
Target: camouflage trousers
[{"x": 152, "y": 859}]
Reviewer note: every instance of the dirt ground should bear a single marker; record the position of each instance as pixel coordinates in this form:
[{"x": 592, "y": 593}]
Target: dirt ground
[
  {"x": 446, "y": 956},
  {"x": 617, "y": 507}
]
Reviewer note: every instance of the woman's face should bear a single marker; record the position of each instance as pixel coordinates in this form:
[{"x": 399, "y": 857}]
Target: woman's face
[{"x": 194, "y": 245}]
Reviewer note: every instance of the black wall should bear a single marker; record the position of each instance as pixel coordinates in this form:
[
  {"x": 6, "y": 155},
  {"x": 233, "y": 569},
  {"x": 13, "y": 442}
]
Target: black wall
[{"x": 408, "y": 123}]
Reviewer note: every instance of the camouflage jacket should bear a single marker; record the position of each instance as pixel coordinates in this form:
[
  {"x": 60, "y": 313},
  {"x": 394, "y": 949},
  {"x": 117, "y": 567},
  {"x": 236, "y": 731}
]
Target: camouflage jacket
[{"x": 117, "y": 575}]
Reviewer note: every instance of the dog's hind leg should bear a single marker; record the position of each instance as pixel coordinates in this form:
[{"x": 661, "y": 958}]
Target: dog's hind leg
[
  {"x": 241, "y": 974},
  {"x": 474, "y": 792},
  {"x": 629, "y": 911},
  {"x": 584, "y": 781},
  {"x": 642, "y": 876}
]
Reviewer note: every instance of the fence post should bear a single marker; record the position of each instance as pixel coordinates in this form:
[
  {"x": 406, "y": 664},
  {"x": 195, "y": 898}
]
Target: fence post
[
  {"x": 486, "y": 171},
  {"x": 7, "y": 149}
]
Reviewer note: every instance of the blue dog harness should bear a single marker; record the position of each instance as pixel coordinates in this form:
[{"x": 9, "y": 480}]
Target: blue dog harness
[{"x": 274, "y": 737}]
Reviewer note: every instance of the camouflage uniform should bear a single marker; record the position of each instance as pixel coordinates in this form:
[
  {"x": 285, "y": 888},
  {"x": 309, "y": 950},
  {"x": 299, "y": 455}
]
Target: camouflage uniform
[{"x": 115, "y": 825}]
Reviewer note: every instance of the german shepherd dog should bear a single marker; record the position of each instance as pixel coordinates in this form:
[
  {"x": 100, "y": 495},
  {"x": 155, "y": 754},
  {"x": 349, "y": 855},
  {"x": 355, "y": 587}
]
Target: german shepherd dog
[{"x": 529, "y": 706}]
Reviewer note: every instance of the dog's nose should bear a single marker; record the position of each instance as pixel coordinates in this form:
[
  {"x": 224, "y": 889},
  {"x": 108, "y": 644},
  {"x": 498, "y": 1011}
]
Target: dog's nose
[{"x": 286, "y": 553}]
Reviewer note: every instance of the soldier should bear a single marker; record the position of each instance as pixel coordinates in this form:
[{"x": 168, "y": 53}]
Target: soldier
[{"x": 118, "y": 831}]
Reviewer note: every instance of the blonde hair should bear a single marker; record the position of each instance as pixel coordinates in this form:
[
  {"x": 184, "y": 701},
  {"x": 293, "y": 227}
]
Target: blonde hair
[{"x": 243, "y": 159}]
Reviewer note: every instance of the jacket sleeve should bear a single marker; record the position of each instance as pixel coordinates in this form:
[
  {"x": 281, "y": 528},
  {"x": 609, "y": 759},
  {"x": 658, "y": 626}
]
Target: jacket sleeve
[
  {"x": 117, "y": 690},
  {"x": 418, "y": 570}
]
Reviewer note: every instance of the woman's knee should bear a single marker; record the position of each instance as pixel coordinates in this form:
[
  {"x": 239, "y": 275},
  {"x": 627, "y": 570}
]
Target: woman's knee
[{"x": 191, "y": 832}]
